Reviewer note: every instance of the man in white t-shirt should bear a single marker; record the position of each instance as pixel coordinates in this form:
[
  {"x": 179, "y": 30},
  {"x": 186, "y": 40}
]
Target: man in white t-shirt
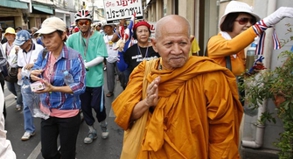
[
  {"x": 27, "y": 55},
  {"x": 111, "y": 59}
]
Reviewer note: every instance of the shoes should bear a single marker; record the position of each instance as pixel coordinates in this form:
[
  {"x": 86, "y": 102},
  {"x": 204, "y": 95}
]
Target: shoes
[
  {"x": 18, "y": 107},
  {"x": 109, "y": 94},
  {"x": 90, "y": 137},
  {"x": 27, "y": 135},
  {"x": 105, "y": 132}
]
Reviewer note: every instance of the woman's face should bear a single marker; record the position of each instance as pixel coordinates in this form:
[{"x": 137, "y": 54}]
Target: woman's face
[
  {"x": 142, "y": 34},
  {"x": 10, "y": 37},
  {"x": 242, "y": 22},
  {"x": 53, "y": 41}
]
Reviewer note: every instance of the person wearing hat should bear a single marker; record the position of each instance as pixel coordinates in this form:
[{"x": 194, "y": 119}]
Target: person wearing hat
[
  {"x": 239, "y": 26},
  {"x": 27, "y": 55},
  {"x": 11, "y": 52},
  {"x": 61, "y": 97},
  {"x": 140, "y": 51},
  {"x": 90, "y": 44},
  {"x": 111, "y": 59}
]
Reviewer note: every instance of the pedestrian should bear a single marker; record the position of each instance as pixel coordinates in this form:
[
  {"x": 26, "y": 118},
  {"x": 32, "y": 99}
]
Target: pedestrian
[
  {"x": 112, "y": 58},
  {"x": 3, "y": 68},
  {"x": 35, "y": 36},
  {"x": 138, "y": 52},
  {"x": 11, "y": 53},
  {"x": 60, "y": 97},
  {"x": 90, "y": 44},
  {"x": 27, "y": 55},
  {"x": 178, "y": 124},
  {"x": 6, "y": 150},
  {"x": 239, "y": 26}
]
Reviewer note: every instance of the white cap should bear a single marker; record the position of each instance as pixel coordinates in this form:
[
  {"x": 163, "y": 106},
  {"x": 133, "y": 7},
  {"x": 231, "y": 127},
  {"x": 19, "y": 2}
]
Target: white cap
[
  {"x": 236, "y": 7},
  {"x": 52, "y": 24}
]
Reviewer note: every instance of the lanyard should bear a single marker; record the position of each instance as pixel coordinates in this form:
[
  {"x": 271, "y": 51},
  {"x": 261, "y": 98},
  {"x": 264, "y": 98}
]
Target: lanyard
[
  {"x": 85, "y": 44},
  {"x": 140, "y": 53}
]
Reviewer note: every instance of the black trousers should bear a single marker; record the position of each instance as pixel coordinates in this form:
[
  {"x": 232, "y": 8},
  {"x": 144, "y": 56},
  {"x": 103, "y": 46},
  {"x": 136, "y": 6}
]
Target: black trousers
[
  {"x": 93, "y": 98},
  {"x": 67, "y": 130},
  {"x": 2, "y": 85}
]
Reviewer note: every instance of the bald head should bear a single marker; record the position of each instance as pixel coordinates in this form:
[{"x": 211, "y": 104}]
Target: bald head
[
  {"x": 171, "y": 21},
  {"x": 172, "y": 41}
]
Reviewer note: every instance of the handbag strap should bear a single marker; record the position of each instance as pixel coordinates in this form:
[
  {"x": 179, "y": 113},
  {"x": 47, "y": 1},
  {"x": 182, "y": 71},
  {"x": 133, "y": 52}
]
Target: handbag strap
[
  {"x": 148, "y": 66},
  {"x": 228, "y": 62},
  {"x": 227, "y": 58}
]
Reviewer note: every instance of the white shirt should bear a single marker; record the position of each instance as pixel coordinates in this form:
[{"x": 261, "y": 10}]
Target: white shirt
[
  {"x": 12, "y": 56},
  {"x": 28, "y": 58},
  {"x": 6, "y": 150},
  {"x": 112, "y": 54}
]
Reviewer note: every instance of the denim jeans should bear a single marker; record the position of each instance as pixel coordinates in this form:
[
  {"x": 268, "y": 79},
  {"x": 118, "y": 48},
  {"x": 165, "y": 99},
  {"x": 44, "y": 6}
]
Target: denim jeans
[
  {"x": 14, "y": 88},
  {"x": 28, "y": 117}
]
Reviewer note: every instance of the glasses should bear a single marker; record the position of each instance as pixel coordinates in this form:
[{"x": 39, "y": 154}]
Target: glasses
[
  {"x": 243, "y": 21},
  {"x": 83, "y": 23}
]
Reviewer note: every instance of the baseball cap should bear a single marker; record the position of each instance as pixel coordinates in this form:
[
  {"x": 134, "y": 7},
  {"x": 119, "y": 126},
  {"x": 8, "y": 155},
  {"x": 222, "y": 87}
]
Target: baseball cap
[
  {"x": 52, "y": 24},
  {"x": 237, "y": 7},
  {"x": 21, "y": 37}
]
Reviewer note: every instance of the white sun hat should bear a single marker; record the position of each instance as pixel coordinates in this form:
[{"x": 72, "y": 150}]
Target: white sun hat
[{"x": 236, "y": 7}]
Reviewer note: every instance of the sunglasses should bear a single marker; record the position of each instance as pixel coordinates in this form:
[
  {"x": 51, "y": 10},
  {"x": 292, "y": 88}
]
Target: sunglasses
[
  {"x": 83, "y": 23},
  {"x": 243, "y": 21}
]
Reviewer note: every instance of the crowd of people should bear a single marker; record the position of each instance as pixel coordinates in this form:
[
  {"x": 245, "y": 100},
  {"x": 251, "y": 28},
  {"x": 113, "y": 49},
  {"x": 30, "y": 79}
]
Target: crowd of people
[{"x": 166, "y": 87}]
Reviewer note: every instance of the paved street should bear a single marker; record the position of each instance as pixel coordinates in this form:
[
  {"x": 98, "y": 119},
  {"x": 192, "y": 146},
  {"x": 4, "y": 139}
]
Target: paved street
[{"x": 102, "y": 149}]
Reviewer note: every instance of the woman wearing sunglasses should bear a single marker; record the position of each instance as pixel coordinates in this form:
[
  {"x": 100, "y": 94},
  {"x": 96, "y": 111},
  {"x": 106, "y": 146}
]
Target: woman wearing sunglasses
[{"x": 239, "y": 26}]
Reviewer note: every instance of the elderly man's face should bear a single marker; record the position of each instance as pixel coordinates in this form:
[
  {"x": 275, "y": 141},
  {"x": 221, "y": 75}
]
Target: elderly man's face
[{"x": 173, "y": 45}]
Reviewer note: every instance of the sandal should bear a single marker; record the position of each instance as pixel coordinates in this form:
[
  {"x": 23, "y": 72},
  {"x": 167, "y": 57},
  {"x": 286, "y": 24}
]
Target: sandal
[{"x": 109, "y": 94}]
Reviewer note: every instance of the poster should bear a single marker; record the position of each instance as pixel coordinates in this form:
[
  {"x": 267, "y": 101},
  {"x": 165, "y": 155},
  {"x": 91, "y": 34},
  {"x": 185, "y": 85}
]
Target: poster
[{"x": 122, "y": 9}]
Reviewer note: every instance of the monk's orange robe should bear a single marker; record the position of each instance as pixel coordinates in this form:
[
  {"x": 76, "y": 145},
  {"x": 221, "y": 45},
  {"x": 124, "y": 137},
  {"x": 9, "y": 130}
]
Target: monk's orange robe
[{"x": 198, "y": 114}]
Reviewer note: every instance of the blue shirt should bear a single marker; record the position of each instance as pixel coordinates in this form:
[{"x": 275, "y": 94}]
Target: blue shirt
[{"x": 71, "y": 61}]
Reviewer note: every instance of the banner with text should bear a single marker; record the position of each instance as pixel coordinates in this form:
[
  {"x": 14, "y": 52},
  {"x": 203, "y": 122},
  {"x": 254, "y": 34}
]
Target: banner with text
[{"x": 122, "y": 9}]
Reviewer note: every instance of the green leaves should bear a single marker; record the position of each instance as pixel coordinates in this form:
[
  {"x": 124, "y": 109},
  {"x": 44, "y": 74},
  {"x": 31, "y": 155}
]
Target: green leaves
[{"x": 271, "y": 84}]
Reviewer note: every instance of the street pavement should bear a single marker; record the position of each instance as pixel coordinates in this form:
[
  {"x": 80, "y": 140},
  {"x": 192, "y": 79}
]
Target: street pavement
[{"x": 100, "y": 149}]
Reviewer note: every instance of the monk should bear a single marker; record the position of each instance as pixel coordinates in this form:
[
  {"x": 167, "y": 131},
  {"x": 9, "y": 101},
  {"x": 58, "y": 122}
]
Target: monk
[{"x": 191, "y": 103}]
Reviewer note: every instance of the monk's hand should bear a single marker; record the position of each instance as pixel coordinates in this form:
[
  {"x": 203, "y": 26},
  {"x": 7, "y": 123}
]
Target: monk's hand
[{"x": 152, "y": 93}]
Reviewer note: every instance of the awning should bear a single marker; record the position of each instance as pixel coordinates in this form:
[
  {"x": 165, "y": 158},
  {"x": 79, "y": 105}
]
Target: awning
[
  {"x": 13, "y": 4},
  {"x": 43, "y": 8}
]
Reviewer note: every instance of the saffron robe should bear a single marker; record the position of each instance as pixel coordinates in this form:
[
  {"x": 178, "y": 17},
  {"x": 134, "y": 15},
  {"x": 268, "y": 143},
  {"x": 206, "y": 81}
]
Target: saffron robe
[{"x": 198, "y": 113}]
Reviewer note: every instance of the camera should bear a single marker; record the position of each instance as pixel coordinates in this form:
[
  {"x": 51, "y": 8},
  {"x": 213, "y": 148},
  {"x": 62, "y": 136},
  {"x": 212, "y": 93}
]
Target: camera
[{"x": 37, "y": 86}]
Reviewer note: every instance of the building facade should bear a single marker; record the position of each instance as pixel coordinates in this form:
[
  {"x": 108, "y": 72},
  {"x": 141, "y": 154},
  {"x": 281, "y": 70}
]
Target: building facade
[{"x": 31, "y": 13}]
